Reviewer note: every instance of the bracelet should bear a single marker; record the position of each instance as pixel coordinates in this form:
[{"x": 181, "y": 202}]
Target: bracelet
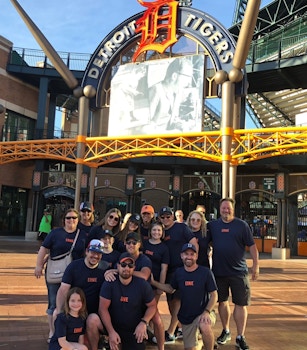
[
  {"x": 144, "y": 321},
  {"x": 209, "y": 312}
]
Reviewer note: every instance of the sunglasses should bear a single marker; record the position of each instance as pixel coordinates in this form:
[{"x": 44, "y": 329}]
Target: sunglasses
[
  {"x": 115, "y": 218},
  {"x": 165, "y": 217},
  {"x": 197, "y": 220},
  {"x": 132, "y": 242},
  {"x": 71, "y": 217},
  {"x": 130, "y": 265}
]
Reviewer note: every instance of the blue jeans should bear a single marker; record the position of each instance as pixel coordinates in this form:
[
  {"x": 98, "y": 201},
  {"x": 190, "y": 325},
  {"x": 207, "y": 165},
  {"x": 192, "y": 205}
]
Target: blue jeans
[{"x": 52, "y": 292}]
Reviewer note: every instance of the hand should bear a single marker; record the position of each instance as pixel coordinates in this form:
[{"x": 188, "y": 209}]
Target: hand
[
  {"x": 141, "y": 332},
  {"x": 255, "y": 273},
  {"x": 114, "y": 341},
  {"x": 110, "y": 275},
  {"x": 205, "y": 318},
  {"x": 38, "y": 272}
]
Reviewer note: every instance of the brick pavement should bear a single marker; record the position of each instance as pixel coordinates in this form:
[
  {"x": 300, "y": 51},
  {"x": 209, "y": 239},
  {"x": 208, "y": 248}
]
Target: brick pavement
[{"x": 277, "y": 317}]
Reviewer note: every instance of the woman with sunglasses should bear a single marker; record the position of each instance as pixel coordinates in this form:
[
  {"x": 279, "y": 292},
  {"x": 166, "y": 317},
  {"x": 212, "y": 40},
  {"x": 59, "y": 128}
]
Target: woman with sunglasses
[
  {"x": 59, "y": 241},
  {"x": 111, "y": 222},
  {"x": 196, "y": 221}
]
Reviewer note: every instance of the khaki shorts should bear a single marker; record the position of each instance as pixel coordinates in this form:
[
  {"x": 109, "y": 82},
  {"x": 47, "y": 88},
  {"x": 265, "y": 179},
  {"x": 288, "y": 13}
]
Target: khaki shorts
[{"x": 191, "y": 331}]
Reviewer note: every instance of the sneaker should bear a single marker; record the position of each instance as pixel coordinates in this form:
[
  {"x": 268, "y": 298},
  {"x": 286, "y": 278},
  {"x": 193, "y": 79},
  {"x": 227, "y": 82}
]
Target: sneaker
[
  {"x": 241, "y": 343},
  {"x": 224, "y": 337},
  {"x": 178, "y": 333},
  {"x": 169, "y": 339}
]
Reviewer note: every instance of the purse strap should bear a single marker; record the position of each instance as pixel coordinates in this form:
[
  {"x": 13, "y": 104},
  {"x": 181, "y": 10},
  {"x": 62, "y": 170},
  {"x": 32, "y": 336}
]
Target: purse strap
[{"x": 70, "y": 250}]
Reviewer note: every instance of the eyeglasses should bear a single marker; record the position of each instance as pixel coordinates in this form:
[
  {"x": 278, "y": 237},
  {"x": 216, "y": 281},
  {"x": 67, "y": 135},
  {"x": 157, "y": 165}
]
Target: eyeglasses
[
  {"x": 115, "y": 218},
  {"x": 71, "y": 217},
  {"x": 197, "y": 220},
  {"x": 165, "y": 217},
  {"x": 145, "y": 214},
  {"x": 132, "y": 242},
  {"x": 130, "y": 265}
]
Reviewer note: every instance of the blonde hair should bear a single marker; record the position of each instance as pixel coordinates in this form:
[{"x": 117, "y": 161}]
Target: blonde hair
[{"x": 203, "y": 226}]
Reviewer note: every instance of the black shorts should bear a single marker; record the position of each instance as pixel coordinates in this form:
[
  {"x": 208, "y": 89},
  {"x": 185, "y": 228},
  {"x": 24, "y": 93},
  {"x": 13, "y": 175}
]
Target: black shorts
[
  {"x": 41, "y": 236},
  {"x": 239, "y": 287},
  {"x": 176, "y": 294}
]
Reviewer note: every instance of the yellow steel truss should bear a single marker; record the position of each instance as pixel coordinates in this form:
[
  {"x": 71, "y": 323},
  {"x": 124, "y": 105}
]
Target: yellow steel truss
[{"x": 247, "y": 146}]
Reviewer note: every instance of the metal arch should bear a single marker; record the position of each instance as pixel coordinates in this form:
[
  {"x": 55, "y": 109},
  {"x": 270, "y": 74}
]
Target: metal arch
[{"x": 248, "y": 146}]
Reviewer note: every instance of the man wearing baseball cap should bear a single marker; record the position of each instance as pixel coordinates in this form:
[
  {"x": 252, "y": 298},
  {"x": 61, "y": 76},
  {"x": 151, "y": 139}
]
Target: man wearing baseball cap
[
  {"x": 148, "y": 217},
  {"x": 124, "y": 313},
  {"x": 176, "y": 234},
  {"x": 87, "y": 274},
  {"x": 198, "y": 291}
]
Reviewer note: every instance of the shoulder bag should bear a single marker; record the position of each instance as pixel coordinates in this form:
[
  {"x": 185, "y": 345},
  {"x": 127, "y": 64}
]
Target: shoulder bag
[{"x": 57, "y": 265}]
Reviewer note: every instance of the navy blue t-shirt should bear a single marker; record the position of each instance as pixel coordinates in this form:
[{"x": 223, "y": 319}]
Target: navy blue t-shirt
[
  {"x": 229, "y": 241},
  {"x": 194, "y": 288},
  {"x": 69, "y": 327},
  {"x": 158, "y": 254},
  {"x": 58, "y": 241},
  {"x": 175, "y": 237},
  {"x": 203, "y": 244},
  {"x": 128, "y": 303},
  {"x": 77, "y": 274}
]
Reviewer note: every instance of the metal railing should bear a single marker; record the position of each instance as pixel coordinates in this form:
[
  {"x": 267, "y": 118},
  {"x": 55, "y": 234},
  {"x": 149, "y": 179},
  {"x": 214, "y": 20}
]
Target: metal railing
[{"x": 37, "y": 58}]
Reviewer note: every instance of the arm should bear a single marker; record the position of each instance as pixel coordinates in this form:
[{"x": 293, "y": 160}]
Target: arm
[
  {"x": 38, "y": 272},
  {"x": 114, "y": 338},
  {"x": 194, "y": 242},
  {"x": 141, "y": 329},
  {"x": 143, "y": 273},
  {"x": 163, "y": 286},
  {"x": 255, "y": 256},
  {"x": 60, "y": 298},
  {"x": 163, "y": 273},
  {"x": 205, "y": 316}
]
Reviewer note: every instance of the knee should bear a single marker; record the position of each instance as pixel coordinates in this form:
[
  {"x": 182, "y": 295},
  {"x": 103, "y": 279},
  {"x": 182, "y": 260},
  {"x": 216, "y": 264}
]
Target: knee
[{"x": 93, "y": 322}]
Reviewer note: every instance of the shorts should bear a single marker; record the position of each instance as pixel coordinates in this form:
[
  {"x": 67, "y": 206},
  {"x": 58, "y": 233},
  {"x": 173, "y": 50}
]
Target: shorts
[
  {"x": 191, "y": 331},
  {"x": 239, "y": 287},
  {"x": 41, "y": 236},
  {"x": 129, "y": 342}
]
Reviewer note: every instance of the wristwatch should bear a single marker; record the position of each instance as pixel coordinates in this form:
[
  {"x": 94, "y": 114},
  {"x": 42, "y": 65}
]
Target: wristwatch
[{"x": 144, "y": 321}]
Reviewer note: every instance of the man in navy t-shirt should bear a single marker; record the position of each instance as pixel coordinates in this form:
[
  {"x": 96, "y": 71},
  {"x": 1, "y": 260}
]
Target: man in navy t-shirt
[
  {"x": 126, "y": 307},
  {"x": 230, "y": 236},
  {"x": 198, "y": 292}
]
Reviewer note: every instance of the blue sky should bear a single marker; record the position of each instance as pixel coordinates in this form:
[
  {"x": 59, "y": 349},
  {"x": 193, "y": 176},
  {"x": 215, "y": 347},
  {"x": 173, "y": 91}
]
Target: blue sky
[{"x": 79, "y": 26}]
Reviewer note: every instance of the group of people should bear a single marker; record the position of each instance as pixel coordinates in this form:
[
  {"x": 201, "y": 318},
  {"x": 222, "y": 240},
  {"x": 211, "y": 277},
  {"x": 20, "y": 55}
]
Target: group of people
[{"x": 111, "y": 290}]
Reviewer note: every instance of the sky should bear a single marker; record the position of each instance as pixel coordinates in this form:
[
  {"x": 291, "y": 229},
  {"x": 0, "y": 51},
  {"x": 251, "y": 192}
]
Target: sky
[{"x": 79, "y": 26}]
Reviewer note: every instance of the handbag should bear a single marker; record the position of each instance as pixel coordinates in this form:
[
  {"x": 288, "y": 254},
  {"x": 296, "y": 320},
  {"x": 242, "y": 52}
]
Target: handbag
[{"x": 56, "y": 266}]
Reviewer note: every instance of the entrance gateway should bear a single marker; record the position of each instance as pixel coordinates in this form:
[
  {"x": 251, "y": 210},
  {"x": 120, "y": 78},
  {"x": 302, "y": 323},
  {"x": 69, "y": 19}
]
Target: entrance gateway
[{"x": 191, "y": 23}]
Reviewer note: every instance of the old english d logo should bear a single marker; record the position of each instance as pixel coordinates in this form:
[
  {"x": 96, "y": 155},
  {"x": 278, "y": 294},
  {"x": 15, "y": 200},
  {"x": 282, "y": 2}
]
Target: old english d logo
[{"x": 159, "y": 18}]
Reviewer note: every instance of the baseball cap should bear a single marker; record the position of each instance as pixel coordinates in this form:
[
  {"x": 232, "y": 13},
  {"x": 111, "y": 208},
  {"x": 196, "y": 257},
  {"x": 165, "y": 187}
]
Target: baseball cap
[
  {"x": 104, "y": 233},
  {"x": 86, "y": 206},
  {"x": 187, "y": 246},
  {"x": 133, "y": 236},
  {"x": 124, "y": 257},
  {"x": 95, "y": 245},
  {"x": 147, "y": 209},
  {"x": 165, "y": 210},
  {"x": 135, "y": 218}
]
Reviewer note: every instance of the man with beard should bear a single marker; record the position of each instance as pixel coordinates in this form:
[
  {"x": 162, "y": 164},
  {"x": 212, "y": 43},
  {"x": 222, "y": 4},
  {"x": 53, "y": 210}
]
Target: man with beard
[
  {"x": 198, "y": 296},
  {"x": 126, "y": 306}
]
